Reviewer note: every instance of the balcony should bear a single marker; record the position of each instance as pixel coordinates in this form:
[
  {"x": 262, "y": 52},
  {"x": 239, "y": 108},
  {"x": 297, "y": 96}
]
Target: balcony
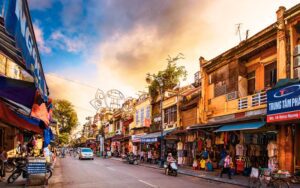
[{"x": 220, "y": 106}]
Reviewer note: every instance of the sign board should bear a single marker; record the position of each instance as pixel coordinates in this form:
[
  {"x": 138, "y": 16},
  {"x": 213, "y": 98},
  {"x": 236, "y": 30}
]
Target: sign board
[
  {"x": 18, "y": 23},
  {"x": 283, "y": 103},
  {"x": 149, "y": 140}
]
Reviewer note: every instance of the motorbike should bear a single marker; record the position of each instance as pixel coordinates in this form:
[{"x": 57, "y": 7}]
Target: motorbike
[
  {"x": 133, "y": 159},
  {"x": 171, "y": 168},
  {"x": 21, "y": 169}
]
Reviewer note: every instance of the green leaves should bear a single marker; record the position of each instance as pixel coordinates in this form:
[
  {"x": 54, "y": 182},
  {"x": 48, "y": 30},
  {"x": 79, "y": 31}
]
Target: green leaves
[
  {"x": 65, "y": 115},
  {"x": 170, "y": 76}
]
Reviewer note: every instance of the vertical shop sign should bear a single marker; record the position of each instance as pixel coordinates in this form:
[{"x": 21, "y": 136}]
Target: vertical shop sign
[{"x": 18, "y": 23}]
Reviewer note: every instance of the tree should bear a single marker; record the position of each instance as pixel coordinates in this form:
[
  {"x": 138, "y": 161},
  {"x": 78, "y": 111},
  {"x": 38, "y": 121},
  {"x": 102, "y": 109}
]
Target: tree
[
  {"x": 65, "y": 115},
  {"x": 170, "y": 76},
  {"x": 63, "y": 138}
]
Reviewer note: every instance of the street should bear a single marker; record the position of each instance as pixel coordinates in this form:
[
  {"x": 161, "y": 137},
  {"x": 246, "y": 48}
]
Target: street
[{"x": 108, "y": 173}]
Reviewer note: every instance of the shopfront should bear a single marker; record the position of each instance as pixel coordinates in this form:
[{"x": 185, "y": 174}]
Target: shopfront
[
  {"x": 284, "y": 111},
  {"x": 250, "y": 144}
]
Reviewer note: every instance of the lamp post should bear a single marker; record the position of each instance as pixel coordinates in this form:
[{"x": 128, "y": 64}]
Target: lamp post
[{"x": 161, "y": 84}]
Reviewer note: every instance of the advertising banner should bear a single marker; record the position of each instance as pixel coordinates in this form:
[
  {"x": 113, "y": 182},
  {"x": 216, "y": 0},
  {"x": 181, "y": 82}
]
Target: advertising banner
[
  {"x": 18, "y": 23},
  {"x": 283, "y": 103}
]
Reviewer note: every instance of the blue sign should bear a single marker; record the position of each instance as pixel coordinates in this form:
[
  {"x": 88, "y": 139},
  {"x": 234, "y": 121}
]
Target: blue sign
[
  {"x": 149, "y": 140},
  {"x": 285, "y": 99},
  {"x": 18, "y": 23}
]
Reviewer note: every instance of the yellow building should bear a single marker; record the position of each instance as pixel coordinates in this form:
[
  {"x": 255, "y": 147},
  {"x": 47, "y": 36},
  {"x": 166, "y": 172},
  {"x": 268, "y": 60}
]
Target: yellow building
[{"x": 233, "y": 101}]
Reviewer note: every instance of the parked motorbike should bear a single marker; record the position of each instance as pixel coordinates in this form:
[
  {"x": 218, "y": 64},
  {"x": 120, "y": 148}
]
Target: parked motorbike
[
  {"x": 133, "y": 159},
  {"x": 20, "y": 169},
  {"x": 171, "y": 168}
]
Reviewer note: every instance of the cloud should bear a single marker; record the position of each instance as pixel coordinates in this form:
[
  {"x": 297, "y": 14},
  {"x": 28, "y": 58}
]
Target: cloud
[
  {"x": 67, "y": 43},
  {"x": 140, "y": 35},
  {"x": 127, "y": 39},
  {"x": 78, "y": 94},
  {"x": 39, "y": 35},
  {"x": 40, "y": 4}
]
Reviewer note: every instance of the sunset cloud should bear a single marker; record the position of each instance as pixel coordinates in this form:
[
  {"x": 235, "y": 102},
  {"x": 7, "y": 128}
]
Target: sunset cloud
[{"x": 117, "y": 42}]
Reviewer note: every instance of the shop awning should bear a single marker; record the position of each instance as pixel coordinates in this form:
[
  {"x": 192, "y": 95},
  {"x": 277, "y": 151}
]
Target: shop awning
[
  {"x": 241, "y": 126},
  {"x": 19, "y": 91},
  {"x": 153, "y": 137},
  {"x": 17, "y": 120}
]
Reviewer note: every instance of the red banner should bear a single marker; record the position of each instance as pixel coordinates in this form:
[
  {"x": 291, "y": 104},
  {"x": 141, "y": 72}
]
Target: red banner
[
  {"x": 39, "y": 109},
  {"x": 10, "y": 117},
  {"x": 283, "y": 116}
]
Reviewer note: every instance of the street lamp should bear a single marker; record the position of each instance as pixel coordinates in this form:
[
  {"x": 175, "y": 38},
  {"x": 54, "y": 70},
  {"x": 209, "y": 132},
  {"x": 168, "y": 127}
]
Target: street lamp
[{"x": 161, "y": 84}]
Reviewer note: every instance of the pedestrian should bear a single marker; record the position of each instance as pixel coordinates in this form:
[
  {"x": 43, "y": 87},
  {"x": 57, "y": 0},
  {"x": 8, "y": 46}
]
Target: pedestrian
[
  {"x": 149, "y": 159},
  {"x": 142, "y": 156},
  {"x": 226, "y": 166},
  {"x": 3, "y": 160}
]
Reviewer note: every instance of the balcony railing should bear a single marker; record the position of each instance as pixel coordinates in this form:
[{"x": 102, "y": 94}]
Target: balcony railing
[
  {"x": 259, "y": 99},
  {"x": 220, "y": 106},
  {"x": 255, "y": 100}
]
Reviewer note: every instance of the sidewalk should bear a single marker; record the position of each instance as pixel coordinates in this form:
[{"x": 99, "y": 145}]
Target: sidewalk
[
  {"x": 214, "y": 176},
  {"x": 20, "y": 182}
]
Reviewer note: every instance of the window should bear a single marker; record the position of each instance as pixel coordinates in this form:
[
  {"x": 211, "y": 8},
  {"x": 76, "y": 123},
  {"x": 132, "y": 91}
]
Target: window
[
  {"x": 137, "y": 117},
  {"x": 2, "y": 65},
  {"x": 170, "y": 115},
  {"x": 251, "y": 83},
  {"x": 270, "y": 75},
  {"x": 142, "y": 117},
  {"x": 148, "y": 112},
  {"x": 12, "y": 70}
]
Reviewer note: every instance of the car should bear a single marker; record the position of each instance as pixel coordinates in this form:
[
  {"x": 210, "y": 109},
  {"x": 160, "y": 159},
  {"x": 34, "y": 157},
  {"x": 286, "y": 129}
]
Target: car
[{"x": 86, "y": 153}]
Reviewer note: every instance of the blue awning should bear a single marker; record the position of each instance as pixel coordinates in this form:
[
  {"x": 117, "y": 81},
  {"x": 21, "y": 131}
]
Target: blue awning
[
  {"x": 241, "y": 126},
  {"x": 153, "y": 137}
]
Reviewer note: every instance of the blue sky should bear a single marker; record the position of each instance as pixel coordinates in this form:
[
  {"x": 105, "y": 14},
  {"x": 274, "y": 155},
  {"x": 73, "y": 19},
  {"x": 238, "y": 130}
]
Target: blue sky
[{"x": 113, "y": 43}]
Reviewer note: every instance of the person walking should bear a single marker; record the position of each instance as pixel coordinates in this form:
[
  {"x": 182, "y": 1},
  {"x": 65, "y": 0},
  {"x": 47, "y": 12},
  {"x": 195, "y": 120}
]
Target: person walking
[
  {"x": 3, "y": 160},
  {"x": 142, "y": 156},
  {"x": 226, "y": 166}
]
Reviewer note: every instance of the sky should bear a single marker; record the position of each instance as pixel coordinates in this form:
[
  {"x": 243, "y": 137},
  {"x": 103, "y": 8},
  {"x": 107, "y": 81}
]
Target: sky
[{"x": 112, "y": 44}]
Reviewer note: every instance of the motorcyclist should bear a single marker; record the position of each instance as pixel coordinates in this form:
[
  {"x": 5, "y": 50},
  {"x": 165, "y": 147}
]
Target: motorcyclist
[{"x": 170, "y": 158}]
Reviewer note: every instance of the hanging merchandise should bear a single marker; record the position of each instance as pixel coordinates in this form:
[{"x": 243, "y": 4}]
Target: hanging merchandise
[
  {"x": 200, "y": 144},
  {"x": 202, "y": 164},
  {"x": 208, "y": 142},
  {"x": 272, "y": 149},
  {"x": 225, "y": 138},
  {"x": 233, "y": 139},
  {"x": 239, "y": 150}
]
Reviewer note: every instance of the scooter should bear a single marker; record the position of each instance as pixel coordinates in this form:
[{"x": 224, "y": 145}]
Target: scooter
[
  {"x": 133, "y": 159},
  {"x": 20, "y": 169},
  {"x": 171, "y": 169}
]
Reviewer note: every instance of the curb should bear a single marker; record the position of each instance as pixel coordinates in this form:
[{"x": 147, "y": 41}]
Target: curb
[
  {"x": 194, "y": 175},
  {"x": 201, "y": 176},
  {"x": 232, "y": 182}
]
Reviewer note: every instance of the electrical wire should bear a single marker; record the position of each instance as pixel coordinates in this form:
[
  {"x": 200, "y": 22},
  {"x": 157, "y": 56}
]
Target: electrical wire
[{"x": 73, "y": 81}]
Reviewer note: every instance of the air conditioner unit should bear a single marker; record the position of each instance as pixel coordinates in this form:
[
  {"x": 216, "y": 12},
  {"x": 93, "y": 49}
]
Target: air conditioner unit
[
  {"x": 297, "y": 50},
  {"x": 118, "y": 132},
  {"x": 297, "y": 61},
  {"x": 297, "y": 72}
]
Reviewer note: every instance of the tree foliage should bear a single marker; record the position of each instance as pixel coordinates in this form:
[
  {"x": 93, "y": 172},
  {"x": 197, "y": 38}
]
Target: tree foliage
[
  {"x": 65, "y": 115},
  {"x": 63, "y": 138},
  {"x": 170, "y": 76}
]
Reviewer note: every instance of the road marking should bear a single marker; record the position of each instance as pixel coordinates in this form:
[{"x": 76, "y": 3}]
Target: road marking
[
  {"x": 149, "y": 184},
  {"x": 109, "y": 168}
]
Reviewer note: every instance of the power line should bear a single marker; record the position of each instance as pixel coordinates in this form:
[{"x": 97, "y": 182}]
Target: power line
[{"x": 73, "y": 81}]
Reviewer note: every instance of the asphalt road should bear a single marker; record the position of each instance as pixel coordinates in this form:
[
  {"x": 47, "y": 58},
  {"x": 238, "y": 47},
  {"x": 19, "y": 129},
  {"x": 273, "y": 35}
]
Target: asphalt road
[{"x": 108, "y": 173}]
